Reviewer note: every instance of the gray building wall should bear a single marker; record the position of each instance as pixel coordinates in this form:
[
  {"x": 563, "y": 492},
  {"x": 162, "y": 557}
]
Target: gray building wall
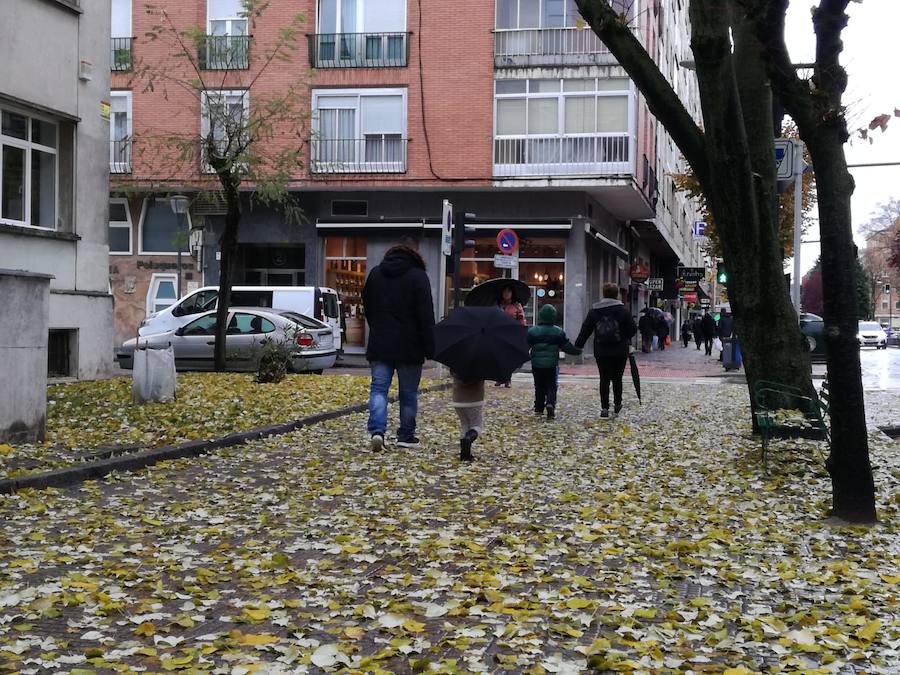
[{"x": 42, "y": 43}]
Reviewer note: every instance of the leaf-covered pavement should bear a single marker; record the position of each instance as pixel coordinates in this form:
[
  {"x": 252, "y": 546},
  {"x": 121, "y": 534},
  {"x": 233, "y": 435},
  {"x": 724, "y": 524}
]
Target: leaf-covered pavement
[
  {"x": 647, "y": 543},
  {"x": 85, "y": 416}
]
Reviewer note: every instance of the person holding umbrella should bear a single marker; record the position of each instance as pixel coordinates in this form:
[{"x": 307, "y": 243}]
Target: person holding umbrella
[
  {"x": 647, "y": 326},
  {"x": 613, "y": 327}
]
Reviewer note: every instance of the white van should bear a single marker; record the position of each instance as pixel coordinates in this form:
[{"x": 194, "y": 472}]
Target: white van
[{"x": 315, "y": 301}]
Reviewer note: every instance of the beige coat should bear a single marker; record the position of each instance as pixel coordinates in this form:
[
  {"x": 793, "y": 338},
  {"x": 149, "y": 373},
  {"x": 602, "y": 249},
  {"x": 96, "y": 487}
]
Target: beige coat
[{"x": 467, "y": 394}]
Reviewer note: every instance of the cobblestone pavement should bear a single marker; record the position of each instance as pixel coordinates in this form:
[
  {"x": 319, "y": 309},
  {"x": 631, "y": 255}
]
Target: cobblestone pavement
[{"x": 650, "y": 543}]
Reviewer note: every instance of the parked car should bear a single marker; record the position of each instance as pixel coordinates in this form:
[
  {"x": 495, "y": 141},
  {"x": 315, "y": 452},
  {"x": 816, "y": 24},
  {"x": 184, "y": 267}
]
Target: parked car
[
  {"x": 871, "y": 334},
  {"x": 313, "y": 301},
  {"x": 813, "y": 327},
  {"x": 312, "y": 341}
]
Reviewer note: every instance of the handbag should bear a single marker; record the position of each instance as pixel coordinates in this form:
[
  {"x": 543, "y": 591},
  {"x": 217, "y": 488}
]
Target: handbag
[{"x": 668, "y": 341}]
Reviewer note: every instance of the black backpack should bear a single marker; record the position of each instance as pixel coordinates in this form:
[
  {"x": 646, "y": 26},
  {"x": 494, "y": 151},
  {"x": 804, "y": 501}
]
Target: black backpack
[{"x": 606, "y": 330}]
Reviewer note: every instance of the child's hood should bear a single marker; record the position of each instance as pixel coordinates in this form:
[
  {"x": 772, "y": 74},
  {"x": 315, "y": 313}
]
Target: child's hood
[{"x": 547, "y": 315}]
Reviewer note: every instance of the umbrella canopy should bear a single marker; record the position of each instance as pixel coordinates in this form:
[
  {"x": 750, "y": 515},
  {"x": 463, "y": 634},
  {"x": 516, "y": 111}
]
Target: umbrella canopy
[
  {"x": 480, "y": 343},
  {"x": 635, "y": 376},
  {"x": 487, "y": 294}
]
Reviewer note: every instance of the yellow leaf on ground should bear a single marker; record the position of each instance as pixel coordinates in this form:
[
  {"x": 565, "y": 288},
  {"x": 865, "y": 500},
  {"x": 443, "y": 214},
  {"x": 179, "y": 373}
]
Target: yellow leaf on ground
[
  {"x": 146, "y": 628},
  {"x": 259, "y": 614},
  {"x": 256, "y": 640},
  {"x": 413, "y": 626},
  {"x": 869, "y": 631}
]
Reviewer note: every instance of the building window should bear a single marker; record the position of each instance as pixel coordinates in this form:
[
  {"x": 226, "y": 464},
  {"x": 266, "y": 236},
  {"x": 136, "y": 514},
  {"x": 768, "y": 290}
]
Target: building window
[
  {"x": 120, "y": 132},
  {"x": 345, "y": 272},
  {"x": 28, "y": 170},
  {"x": 161, "y": 231},
  {"x": 161, "y": 293},
  {"x": 119, "y": 227},
  {"x": 525, "y": 14},
  {"x": 227, "y": 45},
  {"x": 349, "y": 207},
  {"x": 360, "y": 33},
  {"x": 563, "y": 126},
  {"x": 359, "y": 131},
  {"x": 884, "y": 304},
  {"x": 224, "y": 115},
  {"x": 120, "y": 24},
  {"x": 61, "y": 351}
]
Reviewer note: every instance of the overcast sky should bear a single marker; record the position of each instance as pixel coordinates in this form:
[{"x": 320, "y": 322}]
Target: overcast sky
[{"x": 873, "y": 89}]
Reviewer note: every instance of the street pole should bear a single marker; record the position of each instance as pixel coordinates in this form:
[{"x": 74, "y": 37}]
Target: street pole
[
  {"x": 459, "y": 221},
  {"x": 178, "y": 260},
  {"x": 798, "y": 221},
  {"x": 180, "y": 205}
]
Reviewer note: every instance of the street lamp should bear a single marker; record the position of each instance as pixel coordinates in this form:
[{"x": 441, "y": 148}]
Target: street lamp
[{"x": 180, "y": 205}]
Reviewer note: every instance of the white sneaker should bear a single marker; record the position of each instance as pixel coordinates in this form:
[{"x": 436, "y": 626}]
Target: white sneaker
[{"x": 376, "y": 443}]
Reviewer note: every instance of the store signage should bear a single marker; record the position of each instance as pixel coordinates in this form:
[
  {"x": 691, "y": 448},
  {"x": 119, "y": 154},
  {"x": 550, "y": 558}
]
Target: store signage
[
  {"x": 687, "y": 280},
  {"x": 656, "y": 284},
  {"x": 639, "y": 272},
  {"x": 699, "y": 229},
  {"x": 505, "y": 261},
  {"x": 689, "y": 297},
  {"x": 507, "y": 241}
]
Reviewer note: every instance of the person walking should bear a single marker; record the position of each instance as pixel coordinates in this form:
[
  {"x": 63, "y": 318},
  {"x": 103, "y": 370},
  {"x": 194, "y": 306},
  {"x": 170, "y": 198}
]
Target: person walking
[
  {"x": 662, "y": 331},
  {"x": 686, "y": 332},
  {"x": 546, "y": 340},
  {"x": 400, "y": 314},
  {"x": 698, "y": 331},
  {"x": 507, "y": 303},
  {"x": 468, "y": 402},
  {"x": 647, "y": 326},
  {"x": 725, "y": 330},
  {"x": 613, "y": 327},
  {"x": 709, "y": 332}
]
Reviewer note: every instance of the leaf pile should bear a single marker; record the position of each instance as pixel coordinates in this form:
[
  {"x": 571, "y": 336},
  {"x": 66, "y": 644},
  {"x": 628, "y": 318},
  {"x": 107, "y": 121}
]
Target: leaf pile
[{"x": 649, "y": 543}]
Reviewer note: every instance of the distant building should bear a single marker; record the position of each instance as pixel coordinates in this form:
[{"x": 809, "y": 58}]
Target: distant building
[{"x": 885, "y": 277}]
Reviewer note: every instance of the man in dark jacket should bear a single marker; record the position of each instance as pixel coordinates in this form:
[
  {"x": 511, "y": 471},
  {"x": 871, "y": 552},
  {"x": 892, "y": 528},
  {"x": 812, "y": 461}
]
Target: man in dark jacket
[
  {"x": 662, "y": 331},
  {"x": 400, "y": 314},
  {"x": 613, "y": 327},
  {"x": 647, "y": 326},
  {"x": 698, "y": 331},
  {"x": 709, "y": 332}
]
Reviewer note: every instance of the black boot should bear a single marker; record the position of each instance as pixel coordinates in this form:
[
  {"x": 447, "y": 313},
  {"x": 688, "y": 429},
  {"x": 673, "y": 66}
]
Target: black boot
[
  {"x": 551, "y": 412},
  {"x": 465, "y": 446}
]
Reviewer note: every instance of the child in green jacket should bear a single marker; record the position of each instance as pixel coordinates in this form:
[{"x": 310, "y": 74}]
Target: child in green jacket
[{"x": 546, "y": 340}]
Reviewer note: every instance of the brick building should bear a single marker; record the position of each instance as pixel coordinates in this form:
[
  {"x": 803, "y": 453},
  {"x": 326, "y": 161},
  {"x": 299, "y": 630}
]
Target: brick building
[{"x": 510, "y": 109}]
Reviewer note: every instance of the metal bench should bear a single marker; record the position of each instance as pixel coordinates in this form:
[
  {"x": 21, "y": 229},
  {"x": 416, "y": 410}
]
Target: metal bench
[{"x": 773, "y": 402}]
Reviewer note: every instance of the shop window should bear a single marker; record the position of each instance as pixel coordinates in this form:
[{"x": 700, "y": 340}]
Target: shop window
[
  {"x": 274, "y": 265},
  {"x": 345, "y": 272},
  {"x": 162, "y": 230}
]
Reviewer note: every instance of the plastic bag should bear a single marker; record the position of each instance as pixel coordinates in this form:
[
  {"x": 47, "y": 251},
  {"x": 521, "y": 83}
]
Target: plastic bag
[
  {"x": 668, "y": 341},
  {"x": 153, "y": 375},
  {"x": 717, "y": 344}
]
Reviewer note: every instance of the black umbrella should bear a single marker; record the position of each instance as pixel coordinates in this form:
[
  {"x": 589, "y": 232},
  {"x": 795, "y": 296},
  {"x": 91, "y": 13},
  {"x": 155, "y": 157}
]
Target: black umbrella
[
  {"x": 480, "y": 343},
  {"x": 635, "y": 376},
  {"x": 487, "y": 294}
]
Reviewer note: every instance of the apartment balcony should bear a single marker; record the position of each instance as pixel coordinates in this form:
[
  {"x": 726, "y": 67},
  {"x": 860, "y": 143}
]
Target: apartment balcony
[
  {"x": 120, "y": 58},
  {"x": 225, "y": 52},
  {"x": 379, "y": 153},
  {"x": 514, "y": 48},
  {"x": 358, "y": 50},
  {"x": 120, "y": 156},
  {"x": 543, "y": 156}
]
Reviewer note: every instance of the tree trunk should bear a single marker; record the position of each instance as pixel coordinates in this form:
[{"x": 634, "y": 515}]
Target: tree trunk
[{"x": 228, "y": 247}]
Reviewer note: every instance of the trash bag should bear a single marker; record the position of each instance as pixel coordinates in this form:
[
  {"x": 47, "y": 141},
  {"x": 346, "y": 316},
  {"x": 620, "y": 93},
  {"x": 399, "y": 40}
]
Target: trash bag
[
  {"x": 717, "y": 344},
  {"x": 153, "y": 375}
]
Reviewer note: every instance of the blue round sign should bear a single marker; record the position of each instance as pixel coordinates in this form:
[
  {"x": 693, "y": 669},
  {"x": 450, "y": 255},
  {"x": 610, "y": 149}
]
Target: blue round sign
[{"x": 507, "y": 241}]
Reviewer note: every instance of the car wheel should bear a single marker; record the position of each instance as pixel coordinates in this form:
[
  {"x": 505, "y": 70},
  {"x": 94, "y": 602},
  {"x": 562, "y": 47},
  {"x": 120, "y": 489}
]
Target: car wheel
[{"x": 317, "y": 372}]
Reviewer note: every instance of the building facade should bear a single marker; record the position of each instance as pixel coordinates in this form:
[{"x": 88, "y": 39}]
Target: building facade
[
  {"x": 54, "y": 177},
  {"x": 512, "y": 110},
  {"x": 876, "y": 257}
]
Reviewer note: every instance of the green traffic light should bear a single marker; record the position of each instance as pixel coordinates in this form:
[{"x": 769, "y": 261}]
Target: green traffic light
[{"x": 723, "y": 277}]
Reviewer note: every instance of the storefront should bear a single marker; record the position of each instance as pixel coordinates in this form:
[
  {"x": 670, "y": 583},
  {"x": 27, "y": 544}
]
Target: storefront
[{"x": 345, "y": 272}]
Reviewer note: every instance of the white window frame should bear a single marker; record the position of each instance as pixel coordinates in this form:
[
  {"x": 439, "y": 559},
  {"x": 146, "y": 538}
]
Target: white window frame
[
  {"x": 130, "y": 19},
  {"x": 359, "y": 161},
  {"x": 28, "y": 146},
  {"x": 155, "y": 280},
  {"x": 120, "y": 224},
  {"x": 360, "y": 16},
  {"x": 120, "y": 167},
  {"x": 140, "y": 233},
  {"x": 230, "y": 21},
  {"x": 205, "y": 121}
]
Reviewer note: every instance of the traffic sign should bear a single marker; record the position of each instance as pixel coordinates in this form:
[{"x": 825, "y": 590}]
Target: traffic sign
[
  {"x": 503, "y": 261},
  {"x": 507, "y": 241},
  {"x": 447, "y": 228},
  {"x": 784, "y": 158}
]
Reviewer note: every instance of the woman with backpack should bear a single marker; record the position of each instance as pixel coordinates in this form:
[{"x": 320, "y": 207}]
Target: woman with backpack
[{"x": 613, "y": 327}]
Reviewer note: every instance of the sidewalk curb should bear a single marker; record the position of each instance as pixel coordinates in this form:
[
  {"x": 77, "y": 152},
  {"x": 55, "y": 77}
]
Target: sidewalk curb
[{"x": 72, "y": 475}]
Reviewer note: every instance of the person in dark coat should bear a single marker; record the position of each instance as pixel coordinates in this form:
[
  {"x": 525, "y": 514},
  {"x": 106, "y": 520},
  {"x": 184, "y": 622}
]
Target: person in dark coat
[
  {"x": 613, "y": 327},
  {"x": 686, "y": 332},
  {"x": 725, "y": 328},
  {"x": 709, "y": 332},
  {"x": 400, "y": 314},
  {"x": 662, "y": 331},
  {"x": 698, "y": 331},
  {"x": 647, "y": 326}
]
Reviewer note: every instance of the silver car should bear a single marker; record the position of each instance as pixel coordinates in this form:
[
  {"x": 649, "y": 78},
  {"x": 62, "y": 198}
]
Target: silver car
[{"x": 311, "y": 340}]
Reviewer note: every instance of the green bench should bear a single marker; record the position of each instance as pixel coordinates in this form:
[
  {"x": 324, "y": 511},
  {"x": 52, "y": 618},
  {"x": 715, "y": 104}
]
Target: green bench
[{"x": 782, "y": 411}]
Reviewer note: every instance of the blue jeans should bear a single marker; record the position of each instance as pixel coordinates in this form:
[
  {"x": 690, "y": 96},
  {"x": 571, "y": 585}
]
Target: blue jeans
[{"x": 408, "y": 376}]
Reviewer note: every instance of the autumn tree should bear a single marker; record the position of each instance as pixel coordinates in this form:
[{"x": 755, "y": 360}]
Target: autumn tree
[
  {"x": 740, "y": 57},
  {"x": 249, "y": 144}
]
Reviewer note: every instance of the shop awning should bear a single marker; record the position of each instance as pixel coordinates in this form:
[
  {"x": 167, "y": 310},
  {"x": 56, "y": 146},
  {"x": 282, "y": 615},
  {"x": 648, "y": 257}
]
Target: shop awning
[
  {"x": 380, "y": 224},
  {"x": 605, "y": 241}
]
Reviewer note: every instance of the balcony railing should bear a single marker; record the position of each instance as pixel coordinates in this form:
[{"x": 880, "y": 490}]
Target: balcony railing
[
  {"x": 120, "y": 54},
  {"x": 358, "y": 50},
  {"x": 548, "y": 46},
  {"x": 120, "y": 156},
  {"x": 562, "y": 155},
  {"x": 376, "y": 153},
  {"x": 225, "y": 52}
]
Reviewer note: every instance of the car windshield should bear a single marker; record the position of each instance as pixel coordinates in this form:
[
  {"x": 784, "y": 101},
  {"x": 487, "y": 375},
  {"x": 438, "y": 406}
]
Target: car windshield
[{"x": 869, "y": 325}]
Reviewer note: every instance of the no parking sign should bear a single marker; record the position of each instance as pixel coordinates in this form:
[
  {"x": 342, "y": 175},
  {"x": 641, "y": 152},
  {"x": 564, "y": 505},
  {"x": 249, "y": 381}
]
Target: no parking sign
[{"x": 507, "y": 241}]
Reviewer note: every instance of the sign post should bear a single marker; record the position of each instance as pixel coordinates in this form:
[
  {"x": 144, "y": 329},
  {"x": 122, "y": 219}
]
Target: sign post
[
  {"x": 799, "y": 165},
  {"x": 508, "y": 245}
]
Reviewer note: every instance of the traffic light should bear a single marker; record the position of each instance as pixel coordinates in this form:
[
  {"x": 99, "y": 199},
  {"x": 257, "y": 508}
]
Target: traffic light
[
  {"x": 722, "y": 274},
  {"x": 887, "y": 289},
  {"x": 460, "y": 230}
]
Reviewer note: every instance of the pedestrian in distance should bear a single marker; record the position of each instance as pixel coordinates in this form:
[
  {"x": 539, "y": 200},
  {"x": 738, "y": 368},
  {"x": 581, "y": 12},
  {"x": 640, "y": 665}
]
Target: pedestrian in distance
[
  {"x": 698, "y": 331},
  {"x": 546, "y": 340},
  {"x": 468, "y": 402},
  {"x": 507, "y": 302},
  {"x": 400, "y": 314},
  {"x": 647, "y": 326},
  {"x": 725, "y": 328},
  {"x": 709, "y": 332},
  {"x": 662, "y": 331},
  {"x": 686, "y": 333},
  {"x": 612, "y": 327}
]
